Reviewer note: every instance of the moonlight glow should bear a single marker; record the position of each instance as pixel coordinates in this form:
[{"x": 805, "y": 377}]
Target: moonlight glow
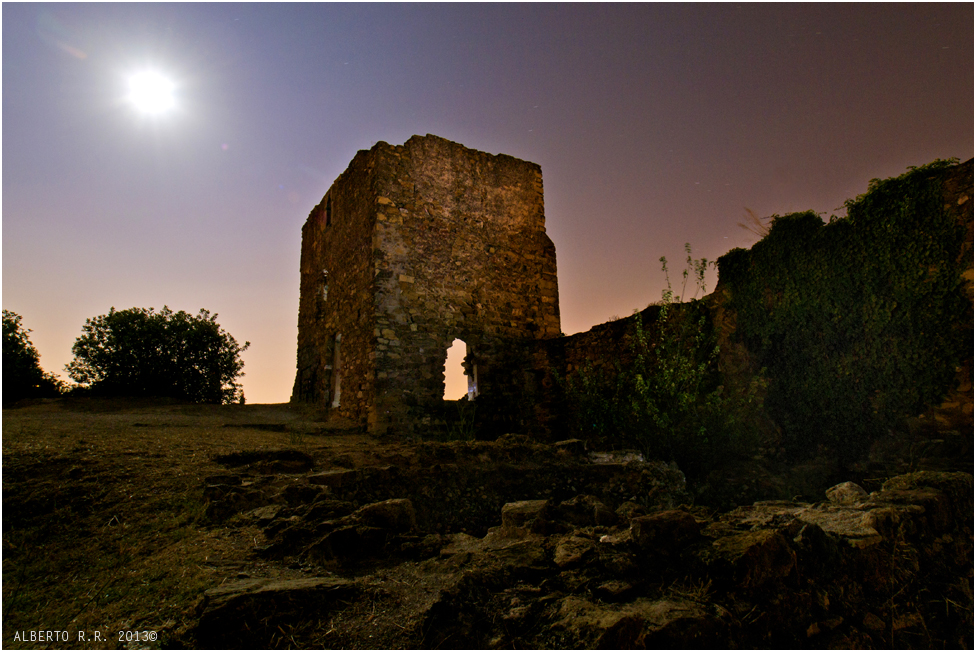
[{"x": 151, "y": 93}]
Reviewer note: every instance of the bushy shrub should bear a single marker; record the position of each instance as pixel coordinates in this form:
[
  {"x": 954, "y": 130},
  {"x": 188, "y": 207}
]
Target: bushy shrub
[
  {"x": 666, "y": 396},
  {"x": 140, "y": 352}
]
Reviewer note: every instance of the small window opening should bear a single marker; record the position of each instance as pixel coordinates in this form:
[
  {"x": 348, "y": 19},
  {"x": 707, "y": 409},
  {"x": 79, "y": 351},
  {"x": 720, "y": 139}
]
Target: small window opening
[
  {"x": 325, "y": 285},
  {"x": 336, "y": 378},
  {"x": 460, "y": 378},
  {"x": 328, "y": 211}
]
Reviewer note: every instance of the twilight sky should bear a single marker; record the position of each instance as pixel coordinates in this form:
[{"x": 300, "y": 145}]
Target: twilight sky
[{"x": 655, "y": 125}]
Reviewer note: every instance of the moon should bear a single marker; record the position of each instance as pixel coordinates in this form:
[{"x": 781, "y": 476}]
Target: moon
[{"x": 151, "y": 92}]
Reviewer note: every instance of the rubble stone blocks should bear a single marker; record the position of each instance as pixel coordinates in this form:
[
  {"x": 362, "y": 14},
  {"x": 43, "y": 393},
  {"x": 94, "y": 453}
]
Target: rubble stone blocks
[
  {"x": 890, "y": 569},
  {"x": 236, "y": 614},
  {"x": 412, "y": 247}
]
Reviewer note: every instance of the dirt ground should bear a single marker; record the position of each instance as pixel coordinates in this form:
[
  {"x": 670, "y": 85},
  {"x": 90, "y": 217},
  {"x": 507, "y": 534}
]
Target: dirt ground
[
  {"x": 147, "y": 525},
  {"x": 103, "y": 528},
  {"x": 111, "y": 539}
]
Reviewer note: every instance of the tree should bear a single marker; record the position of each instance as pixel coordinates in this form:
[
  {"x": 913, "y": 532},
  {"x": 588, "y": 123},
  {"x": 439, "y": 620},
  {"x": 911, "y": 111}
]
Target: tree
[
  {"x": 22, "y": 373},
  {"x": 140, "y": 352}
]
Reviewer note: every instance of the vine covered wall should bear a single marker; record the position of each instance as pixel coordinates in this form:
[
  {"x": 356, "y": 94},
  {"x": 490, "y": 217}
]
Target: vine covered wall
[{"x": 863, "y": 320}]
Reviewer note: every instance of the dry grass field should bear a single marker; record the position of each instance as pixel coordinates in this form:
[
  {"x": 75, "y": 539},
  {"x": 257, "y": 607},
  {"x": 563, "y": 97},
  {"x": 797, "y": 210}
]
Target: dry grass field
[{"x": 103, "y": 529}]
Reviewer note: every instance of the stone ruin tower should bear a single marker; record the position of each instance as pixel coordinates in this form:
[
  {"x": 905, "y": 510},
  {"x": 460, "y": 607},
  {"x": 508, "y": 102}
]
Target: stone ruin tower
[{"x": 412, "y": 247}]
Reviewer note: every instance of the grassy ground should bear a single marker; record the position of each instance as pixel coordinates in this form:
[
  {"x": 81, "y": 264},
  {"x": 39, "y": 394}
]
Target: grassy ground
[
  {"x": 102, "y": 514},
  {"x": 105, "y": 532}
]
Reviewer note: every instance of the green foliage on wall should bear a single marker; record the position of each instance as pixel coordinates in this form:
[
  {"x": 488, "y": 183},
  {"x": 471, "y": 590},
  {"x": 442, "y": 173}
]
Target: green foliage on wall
[
  {"x": 665, "y": 397},
  {"x": 859, "y": 321}
]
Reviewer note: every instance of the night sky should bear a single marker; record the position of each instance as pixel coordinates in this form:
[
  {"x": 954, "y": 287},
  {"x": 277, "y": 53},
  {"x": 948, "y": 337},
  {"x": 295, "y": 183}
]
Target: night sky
[{"x": 655, "y": 125}]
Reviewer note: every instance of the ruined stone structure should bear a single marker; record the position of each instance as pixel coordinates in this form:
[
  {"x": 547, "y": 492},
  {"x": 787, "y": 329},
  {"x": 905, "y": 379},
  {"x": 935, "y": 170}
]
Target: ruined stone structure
[
  {"x": 416, "y": 245},
  {"x": 412, "y": 247}
]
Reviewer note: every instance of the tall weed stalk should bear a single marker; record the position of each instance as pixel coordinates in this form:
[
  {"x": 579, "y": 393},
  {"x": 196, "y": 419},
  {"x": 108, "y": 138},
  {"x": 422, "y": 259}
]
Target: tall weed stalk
[{"x": 666, "y": 396}]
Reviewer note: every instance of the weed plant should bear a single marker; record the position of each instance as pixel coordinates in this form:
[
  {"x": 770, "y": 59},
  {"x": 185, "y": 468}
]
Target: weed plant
[{"x": 666, "y": 396}]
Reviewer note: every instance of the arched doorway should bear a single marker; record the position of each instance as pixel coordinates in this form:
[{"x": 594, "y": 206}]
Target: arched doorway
[{"x": 459, "y": 383}]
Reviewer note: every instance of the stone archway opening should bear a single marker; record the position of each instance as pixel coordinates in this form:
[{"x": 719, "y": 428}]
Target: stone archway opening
[{"x": 459, "y": 382}]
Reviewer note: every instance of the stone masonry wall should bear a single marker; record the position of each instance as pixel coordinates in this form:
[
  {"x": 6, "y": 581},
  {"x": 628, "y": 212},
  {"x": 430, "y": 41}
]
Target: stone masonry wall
[
  {"x": 535, "y": 400},
  {"x": 957, "y": 410},
  {"x": 422, "y": 243},
  {"x": 336, "y": 298},
  {"x": 460, "y": 252},
  {"x": 419, "y": 244}
]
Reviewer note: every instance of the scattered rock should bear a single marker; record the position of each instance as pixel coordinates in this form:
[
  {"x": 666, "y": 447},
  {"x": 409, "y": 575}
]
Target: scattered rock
[
  {"x": 573, "y": 446},
  {"x": 615, "y": 457},
  {"x": 333, "y": 478},
  {"x": 266, "y": 514},
  {"x": 524, "y": 516},
  {"x": 249, "y": 613},
  {"x": 326, "y": 509},
  {"x": 873, "y": 623},
  {"x": 396, "y": 515},
  {"x": 300, "y": 494},
  {"x": 751, "y": 559},
  {"x": 460, "y": 543},
  {"x": 665, "y": 532},
  {"x": 854, "y": 525},
  {"x": 630, "y": 509},
  {"x": 349, "y": 543},
  {"x": 847, "y": 493},
  {"x": 572, "y": 551},
  {"x": 584, "y": 511},
  {"x": 614, "y": 590},
  {"x": 561, "y": 572},
  {"x": 225, "y": 500},
  {"x": 640, "y": 624}
]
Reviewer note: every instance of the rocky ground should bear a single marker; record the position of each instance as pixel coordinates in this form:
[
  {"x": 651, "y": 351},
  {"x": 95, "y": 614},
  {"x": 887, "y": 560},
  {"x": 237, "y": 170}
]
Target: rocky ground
[{"x": 253, "y": 527}]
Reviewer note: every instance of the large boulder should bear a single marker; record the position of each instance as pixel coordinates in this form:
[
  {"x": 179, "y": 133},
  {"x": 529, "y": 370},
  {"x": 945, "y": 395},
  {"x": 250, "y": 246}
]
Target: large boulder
[
  {"x": 643, "y": 623},
  {"x": 396, "y": 515},
  {"x": 664, "y": 533}
]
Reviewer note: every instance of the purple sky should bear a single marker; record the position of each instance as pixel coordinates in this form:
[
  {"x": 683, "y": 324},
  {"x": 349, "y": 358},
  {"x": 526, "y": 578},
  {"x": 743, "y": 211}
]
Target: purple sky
[{"x": 655, "y": 125}]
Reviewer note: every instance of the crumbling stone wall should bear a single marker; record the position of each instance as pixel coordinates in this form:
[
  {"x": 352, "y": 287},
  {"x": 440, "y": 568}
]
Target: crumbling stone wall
[
  {"x": 419, "y": 244},
  {"x": 533, "y": 399},
  {"x": 957, "y": 193},
  {"x": 538, "y": 406},
  {"x": 412, "y": 247},
  {"x": 336, "y": 300}
]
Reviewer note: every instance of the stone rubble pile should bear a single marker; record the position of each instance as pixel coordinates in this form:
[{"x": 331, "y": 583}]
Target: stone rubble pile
[{"x": 889, "y": 568}]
